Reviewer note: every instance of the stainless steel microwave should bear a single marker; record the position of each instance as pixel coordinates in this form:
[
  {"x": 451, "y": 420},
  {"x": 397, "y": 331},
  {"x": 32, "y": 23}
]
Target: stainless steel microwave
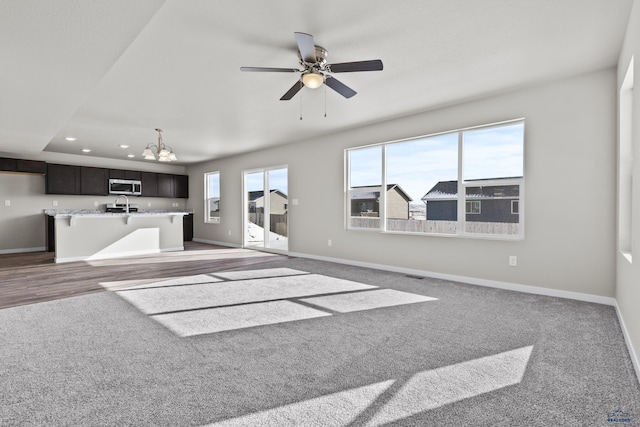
[{"x": 125, "y": 186}]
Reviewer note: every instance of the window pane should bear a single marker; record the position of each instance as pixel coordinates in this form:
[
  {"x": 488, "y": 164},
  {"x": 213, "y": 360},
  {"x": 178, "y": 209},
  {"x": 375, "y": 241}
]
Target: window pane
[
  {"x": 490, "y": 209},
  {"x": 365, "y": 167},
  {"x": 212, "y": 192},
  {"x": 417, "y": 172},
  {"x": 493, "y": 152},
  {"x": 255, "y": 209},
  {"x": 278, "y": 209},
  {"x": 365, "y": 177},
  {"x": 213, "y": 187}
]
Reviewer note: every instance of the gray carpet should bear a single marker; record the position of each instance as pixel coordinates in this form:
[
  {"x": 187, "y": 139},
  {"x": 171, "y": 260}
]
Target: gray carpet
[{"x": 400, "y": 351}]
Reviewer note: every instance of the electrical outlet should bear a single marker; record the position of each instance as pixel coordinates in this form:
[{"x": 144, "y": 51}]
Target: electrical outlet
[
  {"x": 294, "y": 202},
  {"x": 229, "y": 232},
  {"x": 96, "y": 203},
  {"x": 329, "y": 242},
  {"x": 7, "y": 202},
  {"x": 55, "y": 203},
  {"x": 149, "y": 204},
  {"x": 513, "y": 260}
]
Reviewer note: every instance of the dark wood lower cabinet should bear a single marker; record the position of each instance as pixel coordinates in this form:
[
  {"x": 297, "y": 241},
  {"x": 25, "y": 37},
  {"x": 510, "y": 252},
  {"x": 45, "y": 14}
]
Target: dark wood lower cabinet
[
  {"x": 187, "y": 228},
  {"x": 51, "y": 233}
]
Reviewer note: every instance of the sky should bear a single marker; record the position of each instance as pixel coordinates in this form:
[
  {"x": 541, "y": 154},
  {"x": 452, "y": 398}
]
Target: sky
[
  {"x": 278, "y": 180},
  {"x": 417, "y": 165}
]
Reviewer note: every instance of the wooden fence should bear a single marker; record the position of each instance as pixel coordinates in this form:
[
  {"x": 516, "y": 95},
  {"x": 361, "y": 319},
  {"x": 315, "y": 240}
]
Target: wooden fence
[
  {"x": 443, "y": 227},
  {"x": 277, "y": 223}
]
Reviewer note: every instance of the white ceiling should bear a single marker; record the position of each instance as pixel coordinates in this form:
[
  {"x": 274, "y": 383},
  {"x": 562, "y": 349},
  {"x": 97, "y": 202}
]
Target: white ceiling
[{"x": 110, "y": 72}]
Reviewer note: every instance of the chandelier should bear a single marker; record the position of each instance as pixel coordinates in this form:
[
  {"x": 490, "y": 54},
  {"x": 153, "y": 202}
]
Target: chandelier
[{"x": 159, "y": 151}]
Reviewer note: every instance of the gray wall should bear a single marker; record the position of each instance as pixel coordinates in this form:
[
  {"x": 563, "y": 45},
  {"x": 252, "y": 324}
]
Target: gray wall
[
  {"x": 570, "y": 163},
  {"x": 628, "y": 274},
  {"x": 22, "y": 224}
]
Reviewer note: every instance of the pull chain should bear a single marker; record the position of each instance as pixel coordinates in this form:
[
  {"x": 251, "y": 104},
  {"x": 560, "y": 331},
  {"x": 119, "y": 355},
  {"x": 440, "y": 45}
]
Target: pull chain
[
  {"x": 325, "y": 100},
  {"x": 301, "y": 100}
]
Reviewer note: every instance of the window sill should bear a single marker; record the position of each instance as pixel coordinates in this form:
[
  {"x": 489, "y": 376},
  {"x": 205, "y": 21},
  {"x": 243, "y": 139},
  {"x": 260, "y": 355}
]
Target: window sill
[{"x": 477, "y": 236}]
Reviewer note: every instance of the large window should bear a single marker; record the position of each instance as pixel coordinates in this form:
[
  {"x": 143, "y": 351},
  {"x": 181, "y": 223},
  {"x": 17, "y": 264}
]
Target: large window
[
  {"x": 420, "y": 185},
  {"x": 625, "y": 166},
  {"x": 212, "y": 197}
]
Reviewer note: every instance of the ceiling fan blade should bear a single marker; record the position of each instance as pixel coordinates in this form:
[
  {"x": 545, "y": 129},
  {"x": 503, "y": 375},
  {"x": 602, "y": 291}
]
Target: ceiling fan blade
[
  {"x": 269, "y": 70},
  {"x": 339, "y": 87},
  {"x": 348, "y": 67},
  {"x": 306, "y": 46},
  {"x": 291, "y": 92}
]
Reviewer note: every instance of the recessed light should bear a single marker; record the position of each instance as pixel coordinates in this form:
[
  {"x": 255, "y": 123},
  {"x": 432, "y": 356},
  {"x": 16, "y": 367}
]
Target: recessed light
[
  {"x": 124, "y": 146},
  {"x": 86, "y": 150},
  {"x": 71, "y": 138},
  {"x": 131, "y": 155}
]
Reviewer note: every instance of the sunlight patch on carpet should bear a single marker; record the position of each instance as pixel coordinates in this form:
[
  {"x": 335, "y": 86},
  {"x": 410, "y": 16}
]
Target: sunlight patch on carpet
[
  {"x": 338, "y": 409},
  {"x": 208, "y": 321},
  {"x": 421, "y": 392},
  {"x": 259, "y": 274},
  {"x": 438, "y": 387},
  {"x": 203, "y": 304},
  {"x": 345, "y": 303},
  {"x": 189, "y": 297}
]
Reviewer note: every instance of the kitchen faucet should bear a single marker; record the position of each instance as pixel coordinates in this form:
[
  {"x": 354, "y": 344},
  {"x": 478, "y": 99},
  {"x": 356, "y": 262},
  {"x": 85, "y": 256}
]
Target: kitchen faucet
[{"x": 126, "y": 200}]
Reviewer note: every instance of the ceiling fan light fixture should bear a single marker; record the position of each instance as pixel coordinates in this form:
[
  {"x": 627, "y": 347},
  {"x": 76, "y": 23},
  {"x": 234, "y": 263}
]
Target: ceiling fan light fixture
[{"x": 312, "y": 80}]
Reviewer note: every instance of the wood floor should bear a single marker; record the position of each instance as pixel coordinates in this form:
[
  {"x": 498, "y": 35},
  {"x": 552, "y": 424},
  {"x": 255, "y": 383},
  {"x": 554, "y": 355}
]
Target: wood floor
[{"x": 28, "y": 278}]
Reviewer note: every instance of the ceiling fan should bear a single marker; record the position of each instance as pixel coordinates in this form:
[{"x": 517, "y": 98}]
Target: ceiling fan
[{"x": 315, "y": 70}]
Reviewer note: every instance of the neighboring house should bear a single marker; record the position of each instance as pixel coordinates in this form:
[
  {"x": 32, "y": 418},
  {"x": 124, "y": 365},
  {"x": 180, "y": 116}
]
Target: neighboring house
[
  {"x": 365, "y": 201},
  {"x": 214, "y": 208},
  {"x": 278, "y": 203},
  {"x": 484, "y": 203}
]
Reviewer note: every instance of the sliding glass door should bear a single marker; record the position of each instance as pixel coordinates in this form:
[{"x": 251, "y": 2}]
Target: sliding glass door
[{"x": 266, "y": 207}]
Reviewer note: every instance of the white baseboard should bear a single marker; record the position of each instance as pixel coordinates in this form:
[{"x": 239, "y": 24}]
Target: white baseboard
[
  {"x": 627, "y": 339},
  {"x": 214, "y": 242},
  {"x": 22, "y": 250},
  {"x": 470, "y": 280}
]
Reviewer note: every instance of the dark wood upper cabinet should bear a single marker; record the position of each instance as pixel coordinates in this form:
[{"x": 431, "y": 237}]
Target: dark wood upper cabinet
[
  {"x": 124, "y": 174},
  {"x": 8, "y": 165},
  {"x": 181, "y": 186},
  {"x": 85, "y": 180},
  {"x": 116, "y": 174},
  {"x": 62, "y": 179},
  {"x": 31, "y": 166},
  {"x": 22, "y": 166},
  {"x": 94, "y": 181},
  {"x": 165, "y": 185},
  {"x": 149, "y": 184}
]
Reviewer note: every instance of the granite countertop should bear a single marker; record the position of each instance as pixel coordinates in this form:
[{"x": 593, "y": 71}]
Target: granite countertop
[{"x": 63, "y": 213}]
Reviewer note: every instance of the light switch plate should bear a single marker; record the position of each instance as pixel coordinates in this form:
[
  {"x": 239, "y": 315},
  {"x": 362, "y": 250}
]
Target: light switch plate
[{"x": 7, "y": 202}]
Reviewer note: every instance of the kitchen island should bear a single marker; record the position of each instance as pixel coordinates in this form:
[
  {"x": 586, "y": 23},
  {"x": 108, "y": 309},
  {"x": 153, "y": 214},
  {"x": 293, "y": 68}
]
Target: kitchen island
[{"x": 80, "y": 235}]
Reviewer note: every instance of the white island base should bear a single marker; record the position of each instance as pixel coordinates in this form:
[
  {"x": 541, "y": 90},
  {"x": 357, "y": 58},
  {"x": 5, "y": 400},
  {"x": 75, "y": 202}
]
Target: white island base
[{"x": 91, "y": 236}]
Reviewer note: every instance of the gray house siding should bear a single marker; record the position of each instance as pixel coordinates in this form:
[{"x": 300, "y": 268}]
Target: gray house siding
[{"x": 442, "y": 210}]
